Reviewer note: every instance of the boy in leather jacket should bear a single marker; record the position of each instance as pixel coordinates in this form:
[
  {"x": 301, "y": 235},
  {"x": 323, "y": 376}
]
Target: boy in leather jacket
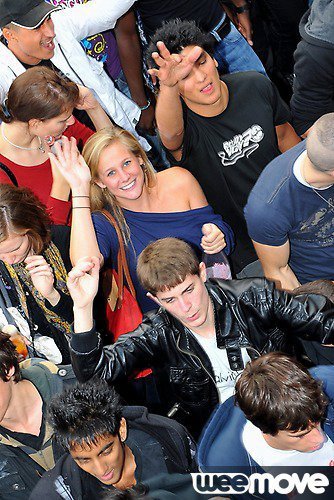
[{"x": 203, "y": 334}]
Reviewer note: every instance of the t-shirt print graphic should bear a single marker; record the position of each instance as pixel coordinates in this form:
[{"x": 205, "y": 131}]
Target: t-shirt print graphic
[{"x": 241, "y": 145}]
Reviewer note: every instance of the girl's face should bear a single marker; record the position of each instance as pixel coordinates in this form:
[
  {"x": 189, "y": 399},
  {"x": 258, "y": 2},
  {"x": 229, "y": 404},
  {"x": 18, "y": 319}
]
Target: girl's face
[
  {"x": 15, "y": 248},
  {"x": 120, "y": 171},
  {"x": 54, "y": 127}
]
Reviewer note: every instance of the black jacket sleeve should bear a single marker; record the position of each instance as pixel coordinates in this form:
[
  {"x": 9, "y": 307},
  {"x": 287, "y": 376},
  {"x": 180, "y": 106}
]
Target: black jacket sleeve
[
  {"x": 313, "y": 87},
  {"x": 310, "y": 317},
  {"x": 138, "y": 350}
]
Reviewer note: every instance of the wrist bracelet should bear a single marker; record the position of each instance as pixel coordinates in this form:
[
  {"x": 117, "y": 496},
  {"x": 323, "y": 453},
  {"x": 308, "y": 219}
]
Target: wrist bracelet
[
  {"x": 80, "y": 207},
  {"x": 242, "y": 8},
  {"x": 80, "y": 196},
  {"x": 147, "y": 105}
]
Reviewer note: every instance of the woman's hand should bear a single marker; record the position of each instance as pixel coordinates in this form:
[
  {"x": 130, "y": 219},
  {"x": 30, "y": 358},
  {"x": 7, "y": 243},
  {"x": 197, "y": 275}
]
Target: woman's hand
[
  {"x": 71, "y": 165},
  {"x": 213, "y": 240},
  {"x": 83, "y": 281},
  {"x": 42, "y": 277},
  {"x": 86, "y": 100}
]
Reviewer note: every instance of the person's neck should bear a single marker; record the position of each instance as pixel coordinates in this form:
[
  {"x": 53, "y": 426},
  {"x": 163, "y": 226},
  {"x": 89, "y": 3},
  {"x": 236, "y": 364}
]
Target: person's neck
[
  {"x": 127, "y": 479},
  {"x": 18, "y": 133},
  {"x": 314, "y": 177},
  {"x": 211, "y": 110},
  {"x": 22, "y": 56},
  {"x": 22, "y": 405},
  {"x": 207, "y": 329}
]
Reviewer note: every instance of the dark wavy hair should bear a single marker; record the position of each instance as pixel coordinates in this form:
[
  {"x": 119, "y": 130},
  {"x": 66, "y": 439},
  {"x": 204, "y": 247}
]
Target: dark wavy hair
[
  {"x": 276, "y": 394},
  {"x": 8, "y": 358},
  {"x": 177, "y": 35},
  {"x": 84, "y": 413},
  {"x": 22, "y": 213}
]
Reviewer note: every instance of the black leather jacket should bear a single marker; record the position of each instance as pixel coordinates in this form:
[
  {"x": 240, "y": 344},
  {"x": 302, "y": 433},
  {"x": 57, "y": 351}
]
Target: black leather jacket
[{"x": 248, "y": 313}]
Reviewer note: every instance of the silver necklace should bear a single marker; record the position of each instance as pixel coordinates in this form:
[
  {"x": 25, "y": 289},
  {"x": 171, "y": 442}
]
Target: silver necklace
[
  {"x": 320, "y": 196},
  {"x": 314, "y": 190},
  {"x": 39, "y": 148}
]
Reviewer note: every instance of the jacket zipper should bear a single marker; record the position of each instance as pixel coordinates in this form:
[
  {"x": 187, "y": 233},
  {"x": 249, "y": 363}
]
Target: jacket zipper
[{"x": 176, "y": 406}]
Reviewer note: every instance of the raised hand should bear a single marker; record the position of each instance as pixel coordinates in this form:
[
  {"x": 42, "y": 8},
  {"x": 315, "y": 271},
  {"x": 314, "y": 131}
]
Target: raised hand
[
  {"x": 86, "y": 100},
  {"x": 83, "y": 281},
  {"x": 213, "y": 240},
  {"x": 172, "y": 67},
  {"x": 71, "y": 165},
  {"x": 42, "y": 277}
]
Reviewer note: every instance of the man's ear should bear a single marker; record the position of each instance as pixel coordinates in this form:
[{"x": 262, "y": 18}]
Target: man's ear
[
  {"x": 9, "y": 34},
  {"x": 10, "y": 373},
  {"x": 202, "y": 272},
  {"x": 152, "y": 297},
  {"x": 123, "y": 430}
]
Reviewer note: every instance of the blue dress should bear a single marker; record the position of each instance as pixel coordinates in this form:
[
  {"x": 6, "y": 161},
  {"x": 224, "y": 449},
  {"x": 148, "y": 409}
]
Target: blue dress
[{"x": 146, "y": 227}]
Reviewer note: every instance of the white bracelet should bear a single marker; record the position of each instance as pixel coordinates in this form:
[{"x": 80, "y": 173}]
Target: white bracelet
[{"x": 147, "y": 105}]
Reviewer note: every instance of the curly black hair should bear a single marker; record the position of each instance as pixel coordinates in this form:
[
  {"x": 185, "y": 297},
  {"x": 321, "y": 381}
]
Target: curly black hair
[
  {"x": 176, "y": 35},
  {"x": 84, "y": 413}
]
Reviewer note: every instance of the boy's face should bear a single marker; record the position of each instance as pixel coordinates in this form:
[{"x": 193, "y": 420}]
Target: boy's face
[
  {"x": 103, "y": 460},
  {"x": 306, "y": 441},
  {"x": 202, "y": 87},
  {"x": 188, "y": 302}
]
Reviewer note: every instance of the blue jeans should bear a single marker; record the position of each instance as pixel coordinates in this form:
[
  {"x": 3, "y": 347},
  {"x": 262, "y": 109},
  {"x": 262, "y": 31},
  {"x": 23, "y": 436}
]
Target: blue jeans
[{"x": 233, "y": 53}]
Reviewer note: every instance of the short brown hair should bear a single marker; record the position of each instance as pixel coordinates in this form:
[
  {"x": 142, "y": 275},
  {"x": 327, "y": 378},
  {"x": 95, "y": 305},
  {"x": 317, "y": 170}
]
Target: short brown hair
[
  {"x": 22, "y": 213},
  {"x": 276, "y": 393},
  {"x": 166, "y": 263},
  {"x": 318, "y": 287},
  {"x": 8, "y": 358},
  {"x": 39, "y": 93}
]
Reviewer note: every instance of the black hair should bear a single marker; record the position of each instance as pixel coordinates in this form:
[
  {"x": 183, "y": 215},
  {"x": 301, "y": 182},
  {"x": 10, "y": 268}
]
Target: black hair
[
  {"x": 177, "y": 35},
  {"x": 8, "y": 358},
  {"x": 84, "y": 413}
]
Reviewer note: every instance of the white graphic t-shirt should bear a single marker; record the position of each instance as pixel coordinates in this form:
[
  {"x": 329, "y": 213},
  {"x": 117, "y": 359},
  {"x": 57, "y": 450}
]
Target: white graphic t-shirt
[
  {"x": 225, "y": 377},
  {"x": 267, "y": 457}
]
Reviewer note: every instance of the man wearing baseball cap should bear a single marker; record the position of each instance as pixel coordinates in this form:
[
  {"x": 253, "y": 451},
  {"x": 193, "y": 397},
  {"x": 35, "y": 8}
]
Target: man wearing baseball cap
[
  {"x": 25, "y": 14},
  {"x": 35, "y": 32}
]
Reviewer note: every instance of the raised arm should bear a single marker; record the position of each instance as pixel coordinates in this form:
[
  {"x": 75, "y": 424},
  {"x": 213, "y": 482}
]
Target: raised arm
[
  {"x": 74, "y": 169},
  {"x": 133, "y": 352},
  {"x": 130, "y": 54},
  {"x": 88, "y": 103},
  {"x": 274, "y": 260},
  {"x": 90, "y": 18},
  {"x": 171, "y": 68}
]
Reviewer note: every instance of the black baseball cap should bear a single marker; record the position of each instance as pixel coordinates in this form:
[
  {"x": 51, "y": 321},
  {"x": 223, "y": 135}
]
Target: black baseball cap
[{"x": 27, "y": 14}]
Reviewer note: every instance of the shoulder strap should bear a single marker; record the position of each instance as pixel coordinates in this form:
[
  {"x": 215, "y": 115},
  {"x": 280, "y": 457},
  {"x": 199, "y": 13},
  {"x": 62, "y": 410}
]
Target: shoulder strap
[
  {"x": 10, "y": 174},
  {"x": 169, "y": 433},
  {"x": 122, "y": 263}
]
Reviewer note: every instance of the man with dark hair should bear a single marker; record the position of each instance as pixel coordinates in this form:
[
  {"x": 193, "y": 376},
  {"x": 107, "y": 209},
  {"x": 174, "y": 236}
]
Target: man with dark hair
[
  {"x": 279, "y": 420},
  {"x": 289, "y": 212},
  {"x": 26, "y": 446},
  {"x": 35, "y": 32},
  {"x": 215, "y": 128},
  {"x": 202, "y": 336},
  {"x": 110, "y": 446}
]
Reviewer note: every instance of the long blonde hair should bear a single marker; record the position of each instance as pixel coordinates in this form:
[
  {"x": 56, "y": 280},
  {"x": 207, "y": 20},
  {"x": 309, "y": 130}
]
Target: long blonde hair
[{"x": 96, "y": 144}]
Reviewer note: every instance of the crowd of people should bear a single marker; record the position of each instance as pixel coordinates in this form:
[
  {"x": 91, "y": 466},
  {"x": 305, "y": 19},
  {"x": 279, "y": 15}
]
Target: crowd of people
[{"x": 166, "y": 239}]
